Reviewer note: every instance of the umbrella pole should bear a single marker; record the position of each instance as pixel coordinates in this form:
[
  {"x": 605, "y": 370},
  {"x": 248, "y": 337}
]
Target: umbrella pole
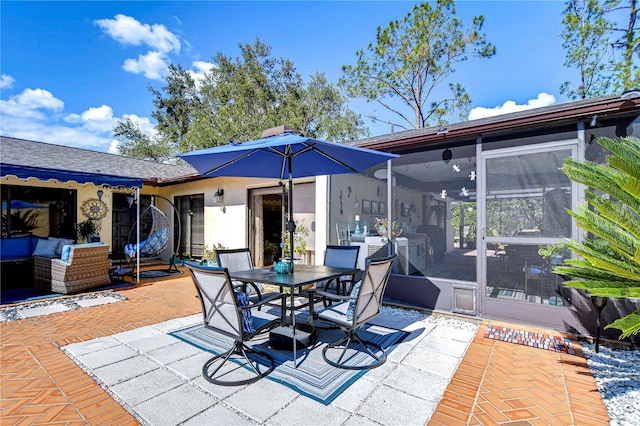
[{"x": 291, "y": 225}]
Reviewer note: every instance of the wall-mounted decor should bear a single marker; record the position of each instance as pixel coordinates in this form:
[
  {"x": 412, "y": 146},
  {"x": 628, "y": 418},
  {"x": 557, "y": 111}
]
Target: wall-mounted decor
[
  {"x": 404, "y": 210},
  {"x": 374, "y": 207},
  {"x": 366, "y": 206},
  {"x": 381, "y": 208}
]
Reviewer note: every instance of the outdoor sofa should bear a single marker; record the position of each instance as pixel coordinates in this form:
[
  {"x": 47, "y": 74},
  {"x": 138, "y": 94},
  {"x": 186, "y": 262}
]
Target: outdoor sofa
[{"x": 80, "y": 267}]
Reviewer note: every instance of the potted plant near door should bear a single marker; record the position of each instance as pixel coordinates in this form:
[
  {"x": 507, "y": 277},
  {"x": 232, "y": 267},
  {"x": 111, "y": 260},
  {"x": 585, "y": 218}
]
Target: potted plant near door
[
  {"x": 209, "y": 255},
  {"x": 271, "y": 251},
  {"x": 88, "y": 231}
]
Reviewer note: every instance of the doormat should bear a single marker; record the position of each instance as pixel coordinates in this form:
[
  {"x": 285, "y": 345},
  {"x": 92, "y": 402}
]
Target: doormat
[{"x": 530, "y": 338}]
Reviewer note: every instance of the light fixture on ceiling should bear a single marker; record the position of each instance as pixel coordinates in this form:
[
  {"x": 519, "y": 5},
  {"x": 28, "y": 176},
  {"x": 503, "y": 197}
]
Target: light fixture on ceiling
[
  {"x": 447, "y": 155},
  {"x": 100, "y": 193},
  {"x": 594, "y": 121}
]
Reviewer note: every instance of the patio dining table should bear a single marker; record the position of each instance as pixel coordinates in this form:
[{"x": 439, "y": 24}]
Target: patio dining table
[{"x": 301, "y": 275}]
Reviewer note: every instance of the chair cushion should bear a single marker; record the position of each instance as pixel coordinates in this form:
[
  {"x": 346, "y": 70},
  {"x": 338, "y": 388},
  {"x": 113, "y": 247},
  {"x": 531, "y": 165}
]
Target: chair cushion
[
  {"x": 336, "y": 313},
  {"x": 61, "y": 242},
  {"x": 247, "y": 319},
  {"x": 352, "y": 303},
  {"x": 46, "y": 248},
  {"x": 66, "y": 250}
]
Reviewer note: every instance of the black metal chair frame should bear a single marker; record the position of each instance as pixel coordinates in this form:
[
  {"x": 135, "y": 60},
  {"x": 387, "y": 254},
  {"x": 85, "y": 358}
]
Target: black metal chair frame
[
  {"x": 246, "y": 251},
  {"x": 341, "y": 283},
  {"x": 368, "y": 304},
  {"x": 234, "y": 322}
]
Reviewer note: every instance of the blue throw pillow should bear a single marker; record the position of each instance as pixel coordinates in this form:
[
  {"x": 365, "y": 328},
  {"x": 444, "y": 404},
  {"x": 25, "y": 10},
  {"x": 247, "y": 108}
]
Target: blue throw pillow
[
  {"x": 46, "y": 248},
  {"x": 247, "y": 319},
  {"x": 352, "y": 303}
]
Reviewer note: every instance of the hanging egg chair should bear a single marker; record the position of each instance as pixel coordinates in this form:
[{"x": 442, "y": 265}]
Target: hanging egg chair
[
  {"x": 155, "y": 234},
  {"x": 155, "y": 240}
]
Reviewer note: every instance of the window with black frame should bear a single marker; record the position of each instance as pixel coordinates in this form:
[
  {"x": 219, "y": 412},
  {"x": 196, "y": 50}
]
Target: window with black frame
[{"x": 43, "y": 212}]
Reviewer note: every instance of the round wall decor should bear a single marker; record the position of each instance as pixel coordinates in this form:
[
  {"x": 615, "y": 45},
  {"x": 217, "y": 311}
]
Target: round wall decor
[{"x": 94, "y": 209}]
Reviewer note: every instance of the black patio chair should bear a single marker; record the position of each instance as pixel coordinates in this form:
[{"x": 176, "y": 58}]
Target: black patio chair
[
  {"x": 232, "y": 316},
  {"x": 354, "y": 311},
  {"x": 240, "y": 260}
]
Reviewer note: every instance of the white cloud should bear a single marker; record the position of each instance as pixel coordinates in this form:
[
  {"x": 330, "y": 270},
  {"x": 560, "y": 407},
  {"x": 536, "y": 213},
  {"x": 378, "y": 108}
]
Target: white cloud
[
  {"x": 36, "y": 114},
  {"x": 98, "y": 119},
  {"x": 30, "y": 104},
  {"x": 53, "y": 132},
  {"x": 6, "y": 81},
  {"x": 153, "y": 65},
  {"x": 543, "y": 99},
  {"x": 129, "y": 31},
  {"x": 113, "y": 147},
  {"x": 143, "y": 123},
  {"x": 199, "y": 71}
]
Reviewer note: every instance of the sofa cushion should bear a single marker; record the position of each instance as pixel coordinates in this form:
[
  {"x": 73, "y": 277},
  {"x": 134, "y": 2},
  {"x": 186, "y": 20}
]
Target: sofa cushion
[
  {"x": 66, "y": 249},
  {"x": 61, "y": 242},
  {"x": 18, "y": 247},
  {"x": 46, "y": 248}
]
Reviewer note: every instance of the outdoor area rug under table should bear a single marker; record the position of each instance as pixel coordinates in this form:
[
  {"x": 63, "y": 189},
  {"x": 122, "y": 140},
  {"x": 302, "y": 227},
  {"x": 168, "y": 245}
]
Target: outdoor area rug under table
[
  {"x": 312, "y": 376},
  {"x": 300, "y": 276}
]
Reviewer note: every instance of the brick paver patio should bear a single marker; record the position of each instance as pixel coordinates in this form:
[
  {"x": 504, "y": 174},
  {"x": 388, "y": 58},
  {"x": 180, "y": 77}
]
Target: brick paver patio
[{"x": 496, "y": 382}]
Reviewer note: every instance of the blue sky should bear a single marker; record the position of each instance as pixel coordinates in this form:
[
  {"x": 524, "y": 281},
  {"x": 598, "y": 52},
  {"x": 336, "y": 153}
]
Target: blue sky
[{"x": 70, "y": 70}]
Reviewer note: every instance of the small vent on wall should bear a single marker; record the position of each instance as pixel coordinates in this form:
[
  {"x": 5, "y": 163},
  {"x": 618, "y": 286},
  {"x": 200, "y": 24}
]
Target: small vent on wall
[{"x": 464, "y": 300}]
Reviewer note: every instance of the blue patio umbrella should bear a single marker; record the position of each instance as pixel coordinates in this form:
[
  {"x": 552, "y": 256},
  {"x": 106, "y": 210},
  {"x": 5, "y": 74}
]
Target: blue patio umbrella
[
  {"x": 19, "y": 204},
  {"x": 285, "y": 156}
]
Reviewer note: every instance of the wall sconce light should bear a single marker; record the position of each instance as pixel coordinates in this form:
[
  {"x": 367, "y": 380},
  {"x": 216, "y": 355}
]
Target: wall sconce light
[
  {"x": 447, "y": 155},
  {"x": 100, "y": 194},
  {"x": 218, "y": 197}
]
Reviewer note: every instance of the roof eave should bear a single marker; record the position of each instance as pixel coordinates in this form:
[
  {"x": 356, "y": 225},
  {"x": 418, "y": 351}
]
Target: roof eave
[{"x": 472, "y": 129}]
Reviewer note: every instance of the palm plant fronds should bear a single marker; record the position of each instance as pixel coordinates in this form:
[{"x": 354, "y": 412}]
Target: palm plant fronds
[
  {"x": 625, "y": 149},
  {"x": 628, "y": 325},
  {"x": 615, "y": 212},
  {"x": 601, "y": 177},
  {"x": 606, "y": 229},
  {"x": 601, "y": 260},
  {"x": 610, "y": 263}
]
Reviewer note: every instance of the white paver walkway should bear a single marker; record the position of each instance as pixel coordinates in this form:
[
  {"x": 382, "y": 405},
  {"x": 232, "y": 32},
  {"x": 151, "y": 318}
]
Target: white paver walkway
[{"x": 158, "y": 378}]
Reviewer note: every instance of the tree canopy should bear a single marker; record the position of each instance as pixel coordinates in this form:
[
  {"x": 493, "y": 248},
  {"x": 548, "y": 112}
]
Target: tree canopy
[
  {"x": 604, "y": 51},
  {"x": 238, "y": 99},
  {"x": 411, "y": 58}
]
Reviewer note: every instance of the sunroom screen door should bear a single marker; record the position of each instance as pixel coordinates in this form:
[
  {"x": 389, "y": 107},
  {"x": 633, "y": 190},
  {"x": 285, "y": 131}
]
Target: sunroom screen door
[{"x": 523, "y": 202}]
